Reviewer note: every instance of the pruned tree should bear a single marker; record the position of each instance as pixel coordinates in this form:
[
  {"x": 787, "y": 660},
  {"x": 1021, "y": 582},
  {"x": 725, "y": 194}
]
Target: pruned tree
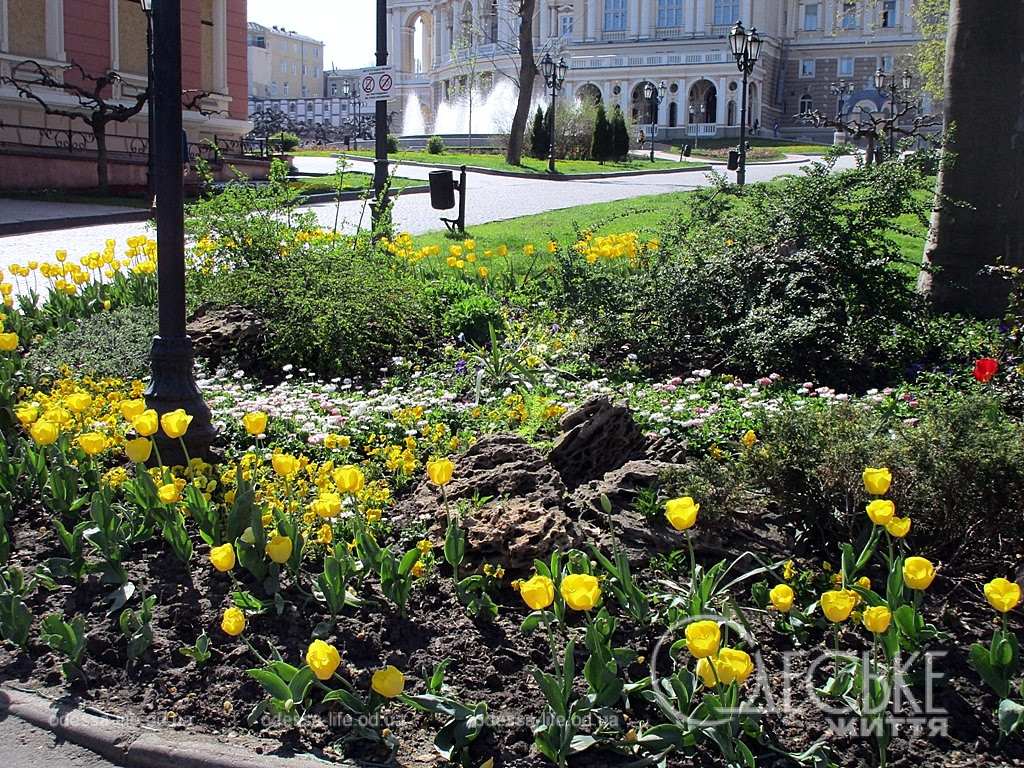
[
  {"x": 96, "y": 106},
  {"x": 875, "y": 127},
  {"x": 620, "y": 135},
  {"x": 978, "y": 223},
  {"x": 538, "y": 136},
  {"x": 601, "y": 148}
]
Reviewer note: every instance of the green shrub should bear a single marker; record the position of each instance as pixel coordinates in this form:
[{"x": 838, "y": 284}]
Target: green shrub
[
  {"x": 957, "y": 464},
  {"x": 465, "y": 310},
  {"x": 338, "y": 309},
  {"x": 114, "y": 344},
  {"x": 283, "y": 141},
  {"x": 540, "y": 137},
  {"x": 798, "y": 277},
  {"x": 435, "y": 145},
  {"x": 601, "y": 147},
  {"x": 393, "y": 146}
]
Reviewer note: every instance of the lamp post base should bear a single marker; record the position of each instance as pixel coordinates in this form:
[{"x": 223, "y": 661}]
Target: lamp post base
[{"x": 173, "y": 387}]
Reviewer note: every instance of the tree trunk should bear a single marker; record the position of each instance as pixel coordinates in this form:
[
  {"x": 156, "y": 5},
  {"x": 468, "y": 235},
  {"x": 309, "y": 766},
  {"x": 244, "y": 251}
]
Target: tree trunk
[
  {"x": 99, "y": 131},
  {"x": 985, "y": 117},
  {"x": 527, "y": 73}
]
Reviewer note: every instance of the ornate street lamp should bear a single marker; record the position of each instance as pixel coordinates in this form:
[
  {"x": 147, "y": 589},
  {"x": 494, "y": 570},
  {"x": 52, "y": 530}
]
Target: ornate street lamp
[
  {"x": 654, "y": 98},
  {"x": 694, "y": 111},
  {"x": 746, "y": 49},
  {"x": 173, "y": 385},
  {"x": 841, "y": 90},
  {"x": 355, "y": 104},
  {"x": 554, "y": 78},
  {"x": 147, "y": 8}
]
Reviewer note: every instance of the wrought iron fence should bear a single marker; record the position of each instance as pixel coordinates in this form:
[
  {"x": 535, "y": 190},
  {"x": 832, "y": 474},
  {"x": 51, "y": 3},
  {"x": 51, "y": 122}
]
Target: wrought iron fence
[{"x": 214, "y": 150}]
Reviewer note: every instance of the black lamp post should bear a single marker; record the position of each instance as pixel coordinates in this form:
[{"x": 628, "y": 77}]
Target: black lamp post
[
  {"x": 694, "y": 111},
  {"x": 350, "y": 92},
  {"x": 554, "y": 77},
  {"x": 173, "y": 385},
  {"x": 654, "y": 98},
  {"x": 885, "y": 82},
  {"x": 147, "y": 8},
  {"x": 746, "y": 48}
]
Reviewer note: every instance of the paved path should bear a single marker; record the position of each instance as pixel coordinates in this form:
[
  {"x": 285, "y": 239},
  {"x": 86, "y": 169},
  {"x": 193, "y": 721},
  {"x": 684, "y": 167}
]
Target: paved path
[
  {"x": 490, "y": 198},
  {"x": 16, "y": 211},
  {"x": 28, "y": 747}
]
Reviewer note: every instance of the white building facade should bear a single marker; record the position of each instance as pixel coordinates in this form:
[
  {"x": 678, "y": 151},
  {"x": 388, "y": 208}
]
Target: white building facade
[{"x": 615, "y": 47}]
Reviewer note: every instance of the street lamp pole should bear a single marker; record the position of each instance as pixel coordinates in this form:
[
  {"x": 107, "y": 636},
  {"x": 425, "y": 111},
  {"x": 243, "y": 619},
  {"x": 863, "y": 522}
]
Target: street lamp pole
[
  {"x": 380, "y": 163},
  {"x": 654, "y": 98},
  {"x": 746, "y": 48},
  {"x": 173, "y": 385},
  {"x": 147, "y": 8},
  {"x": 554, "y": 77},
  {"x": 886, "y": 82},
  {"x": 694, "y": 111},
  {"x": 840, "y": 90}
]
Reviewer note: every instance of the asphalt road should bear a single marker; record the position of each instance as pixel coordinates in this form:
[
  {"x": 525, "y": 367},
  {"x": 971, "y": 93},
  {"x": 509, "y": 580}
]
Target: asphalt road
[{"x": 25, "y": 746}]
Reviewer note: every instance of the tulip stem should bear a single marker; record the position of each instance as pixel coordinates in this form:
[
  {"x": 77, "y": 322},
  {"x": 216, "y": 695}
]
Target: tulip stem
[
  {"x": 255, "y": 653},
  {"x": 693, "y": 571},
  {"x": 188, "y": 461}
]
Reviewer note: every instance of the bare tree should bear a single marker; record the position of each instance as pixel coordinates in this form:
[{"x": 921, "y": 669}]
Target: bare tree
[
  {"x": 96, "y": 108},
  {"x": 874, "y": 127},
  {"x": 527, "y": 75}
]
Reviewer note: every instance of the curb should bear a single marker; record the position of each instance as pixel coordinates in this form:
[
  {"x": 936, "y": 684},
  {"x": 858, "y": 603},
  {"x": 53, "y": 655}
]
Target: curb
[
  {"x": 136, "y": 746},
  {"x": 70, "y": 222},
  {"x": 539, "y": 176},
  {"x": 318, "y": 198}
]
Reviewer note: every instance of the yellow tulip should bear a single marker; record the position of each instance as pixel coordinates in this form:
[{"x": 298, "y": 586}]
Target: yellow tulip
[
  {"x": 877, "y": 480},
  {"x": 169, "y": 493},
  {"x": 837, "y": 604},
  {"x": 388, "y": 682},
  {"x": 749, "y": 438},
  {"x": 285, "y": 464},
  {"x": 26, "y": 414},
  {"x": 440, "y": 471},
  {"x": 781, "y": 596},
  {"x": 233, "y": 622},
  {"x": 279, "y": 548},
  {"x": 898, "y": 527},
  {"x": 537, "y": 592},
  {"x": 78, "y": 402},
  {"x": 349, "y": 479},
  {"x": 255, "y": 423},
  {"x": 733, "y": 665},
  {"x": 323, "y": 659},
  {"x": 92, "y": 443},
  {"x": 328, "y": 505},
  {"x": 918, "y": 573},
  {"x": 139, "y": 449},
  {"x": 707, "y": 671},
  {"x": 146, "y": 423},
  {"x": 581, "y": 591},
  {"x": 132, "y": 408},
  {"x": 876, "y": 619},
  {"x": 681, "y": 513},
  {"x": 703, "y": 638},
  {"x": 881, "y": 511},
  {"x": 44, "y": 432},
  {"x": 223, "y": 557},
  {"x": 8, "y": 342},
  {"x": 1002, "y": 594},
  {"x": 175, "y": 423}
]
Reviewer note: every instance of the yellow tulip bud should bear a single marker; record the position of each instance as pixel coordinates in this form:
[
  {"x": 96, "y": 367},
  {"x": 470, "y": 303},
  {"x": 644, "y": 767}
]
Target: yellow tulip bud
[
  {"x": 898, "y": 527},
  {"x": 837, "y": 604},
  {"x": 255, "y": 423},
  {"x": 279, "y": 548},
  {"x": 169, "y": 493},
  {"x": 349, "y": 479},
  {"x": 877, "y": 480},
  {"x": 132, "y": 408},
  {"x": 223, "y": 557},
  {"x": 139, "y": 449},
  {"x": 92, "y": 443},
  {"x": 44, "y": 432},
  {"x": 285, "y": 464},
  {"x": 388, "y": 682},
  {"x": 233, "y": 622},
  {"x": 8, "y": 342},
  {"x": 537, "y": 592},
  {"x": 881, "y": 511},
  {"x": 781, "y": 596},
  {"x": 682, "y": 512},
  {"x": 1002, "y": 594},
  {"x": 918, "y": 573},
  {"x": 703, "y": 638},
  {"x": 876, "y": 619},
  {"x": 581, "y": 591},
  {"x": 323, "y": 659},
  {"x": 175, "y": 423},
  {"x": 146, "y": 423},
  {"x": 440, "y": 471}
]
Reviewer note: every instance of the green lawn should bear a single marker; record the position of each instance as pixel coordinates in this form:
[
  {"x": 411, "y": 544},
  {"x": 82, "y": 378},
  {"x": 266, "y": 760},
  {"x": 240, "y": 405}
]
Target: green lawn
[
  {"x": 497, "y": 162},
  {"x": 85, "y": 196},
  {"x": 760, "y": 148},
  {"x": 351, "y": 181},
  {"x": 645, "y": 215}
]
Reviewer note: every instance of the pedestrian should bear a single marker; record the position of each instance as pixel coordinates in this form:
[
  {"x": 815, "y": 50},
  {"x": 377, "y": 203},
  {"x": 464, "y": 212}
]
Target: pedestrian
[
  {"x": 775, "y": 129},
  {"x": 640, "y": 138},
  {"x": 757, "y": 126}
]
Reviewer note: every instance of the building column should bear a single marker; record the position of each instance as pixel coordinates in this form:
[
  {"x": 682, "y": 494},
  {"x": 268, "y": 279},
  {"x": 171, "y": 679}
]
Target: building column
[
  {"x": 591, "y": 30},
  {"x": 220, "y": 46},
  {"x": 700, "y": 22},
  {"x": 545, "y": 20},
  {"x": 54, "y": 29},
  {"x": 723, "y": 101}
]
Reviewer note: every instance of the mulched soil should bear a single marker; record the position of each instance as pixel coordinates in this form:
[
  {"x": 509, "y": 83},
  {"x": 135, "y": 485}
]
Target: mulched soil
[{"x": 490, "y": 662}]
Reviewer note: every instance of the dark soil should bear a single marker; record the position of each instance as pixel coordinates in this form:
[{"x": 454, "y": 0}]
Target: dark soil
[{"x": 490, "y": 662}]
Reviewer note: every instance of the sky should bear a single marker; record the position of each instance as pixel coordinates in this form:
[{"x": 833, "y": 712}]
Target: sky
[{"x": 345, "y": 26}]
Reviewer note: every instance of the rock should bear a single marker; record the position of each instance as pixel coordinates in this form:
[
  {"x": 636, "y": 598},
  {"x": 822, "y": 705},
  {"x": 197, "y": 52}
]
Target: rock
[
  {"x": 598, "y": 438},
  {"x": 226, "y": 332},
  {"x": 639, "y": 535},
  {"x": 523, "y": 517}
]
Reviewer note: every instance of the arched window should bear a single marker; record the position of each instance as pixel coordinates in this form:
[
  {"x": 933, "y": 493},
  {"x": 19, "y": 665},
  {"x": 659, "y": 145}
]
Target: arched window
[{"x": 806, "y": 104}]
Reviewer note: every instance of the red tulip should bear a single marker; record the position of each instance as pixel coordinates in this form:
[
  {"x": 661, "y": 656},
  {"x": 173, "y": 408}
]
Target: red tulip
[{"x": 985, "y": 369}]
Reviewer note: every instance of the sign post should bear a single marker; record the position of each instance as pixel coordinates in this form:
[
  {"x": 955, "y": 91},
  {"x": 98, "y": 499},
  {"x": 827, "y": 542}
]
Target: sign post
[{"x": 377, "y": 83}]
